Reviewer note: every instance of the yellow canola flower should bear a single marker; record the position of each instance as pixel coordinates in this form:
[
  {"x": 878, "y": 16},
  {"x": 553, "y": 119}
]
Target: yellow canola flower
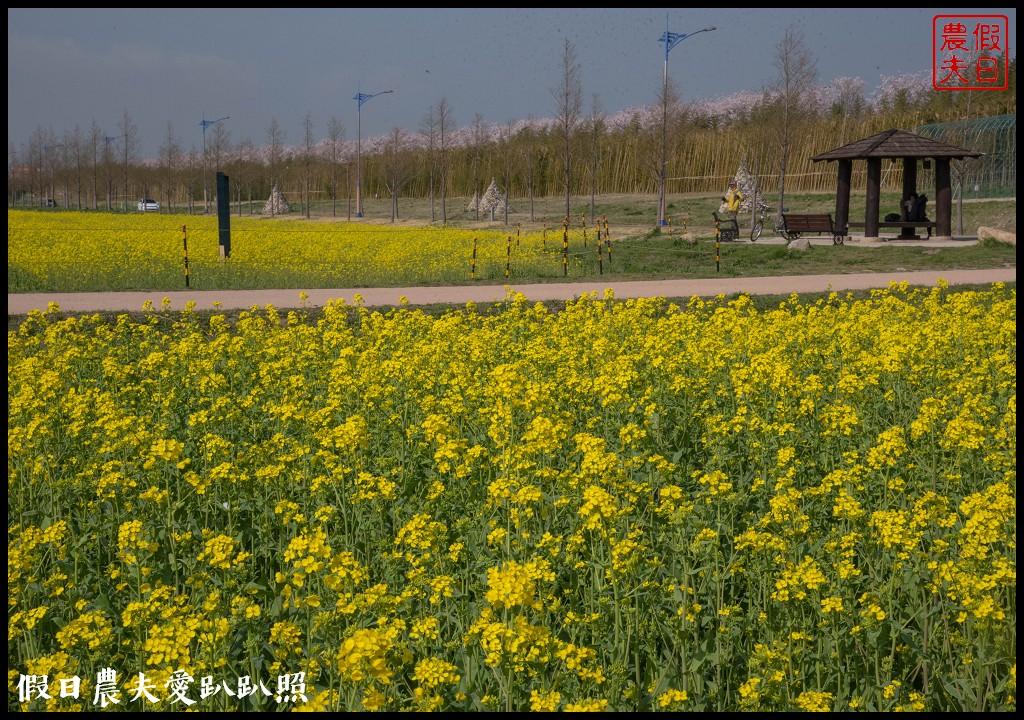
[
  {"x": 90, "y": 629},
  {"x": 797, "y": 579},
  {"x": 672, "y": 699},
  {"x": 364, "y": 654},
  {"x": 432, "y": 672},
  {"x": 544, "y": 701},
  {"x": 219, "y": 552},
  {"x": 831, "y": 604},
  {"x": 587, "y": 706},
  {"x": 514, "y": 584},
  {"x": 813, "y": 701}
]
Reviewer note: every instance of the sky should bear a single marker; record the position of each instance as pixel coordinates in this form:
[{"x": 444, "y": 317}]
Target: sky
[{"x": 69, "y": 67}]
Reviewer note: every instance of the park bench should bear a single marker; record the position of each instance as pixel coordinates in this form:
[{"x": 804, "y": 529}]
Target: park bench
[
  {"x": 796, "y": 225},
  {"x": 909, "y": 219},
  {"x": 903, "y": 224}
]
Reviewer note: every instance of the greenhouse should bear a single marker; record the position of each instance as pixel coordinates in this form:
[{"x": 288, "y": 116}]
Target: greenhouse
[{"x": 994, "y": 174}]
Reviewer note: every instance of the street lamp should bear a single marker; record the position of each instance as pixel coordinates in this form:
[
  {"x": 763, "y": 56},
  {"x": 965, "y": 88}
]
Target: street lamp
[
  {"x": 361, "y": 98},
  {"x": 204, "y": 123},
  {"x": 670, "y": 39}
]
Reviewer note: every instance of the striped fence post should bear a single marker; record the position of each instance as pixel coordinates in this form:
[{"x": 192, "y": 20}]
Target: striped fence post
[
  {"x": 718, "y": 266},
  {"x": 184, "y": 242},
  {"x": 565, "y": 248},
  {"x": 607, "y": 239}
]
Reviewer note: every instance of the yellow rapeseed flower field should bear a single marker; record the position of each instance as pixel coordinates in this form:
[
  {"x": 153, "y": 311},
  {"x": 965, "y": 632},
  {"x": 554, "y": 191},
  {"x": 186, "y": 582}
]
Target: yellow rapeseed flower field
[
  {"x": 618, "y": 505},
  {"x": 77, "y": 251}
]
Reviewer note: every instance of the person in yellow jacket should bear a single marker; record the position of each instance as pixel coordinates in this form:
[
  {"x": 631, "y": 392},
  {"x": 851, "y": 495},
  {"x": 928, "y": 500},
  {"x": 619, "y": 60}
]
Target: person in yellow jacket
[{"x": 732, "y": 200}]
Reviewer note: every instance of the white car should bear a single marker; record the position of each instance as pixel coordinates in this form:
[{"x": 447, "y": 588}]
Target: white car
[{"x": 147, "y": 205}]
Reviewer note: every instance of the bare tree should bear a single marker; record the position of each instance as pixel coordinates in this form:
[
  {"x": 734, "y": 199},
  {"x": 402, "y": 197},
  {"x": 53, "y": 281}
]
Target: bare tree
[
  {"x": 445, "y": 128},
  {"x": 275, "y": 137},
  {"x": 108, "y": 163},
  {"x": 75, "y": 142},
  {"x": 527, "y": 148},
  {"x": 796, "y": 73},
  {"x": 334, "y": 150},
  {"x": 170, "y": 160},
  {"x": 31, "y": 156},
  {"x": 218, "y": 146},
  {"x": 428, "y": 129},
  {"x": 63, "y": 153},
  {"x": 308, "y": 156},
  {"x": 13, "y": 171},
  {"x": 130, "y": 148},
  {"x": 35, "y": 156},
  {"x": 507, "y": 159},
  {"x": 245, "y": 173},
  {"x": 61, "y": 168},
  {"x": 398, "y": 166},
  {"x": 660, "y": 152},
  {"x": 477, "y": 138},
  {"x": 92, "y": 144},
  {"x": 595, "y": 128},
  {"x": 194, "y": 171},
  {"x": 47, "y": 165},
  {"x": 568, "y": 96}
]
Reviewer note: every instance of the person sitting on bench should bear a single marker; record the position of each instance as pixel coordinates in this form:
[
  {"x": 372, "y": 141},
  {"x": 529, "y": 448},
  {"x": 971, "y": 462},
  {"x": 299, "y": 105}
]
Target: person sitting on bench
[
  {"x": 908, "y": 207},
  {"x": 918, "y": 208},
  {"x": 915, "y": 207}
]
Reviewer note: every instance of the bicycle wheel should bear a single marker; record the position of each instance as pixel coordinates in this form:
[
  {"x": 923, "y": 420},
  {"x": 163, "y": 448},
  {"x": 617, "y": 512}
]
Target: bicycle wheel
[{"x": 755, "y": 230}]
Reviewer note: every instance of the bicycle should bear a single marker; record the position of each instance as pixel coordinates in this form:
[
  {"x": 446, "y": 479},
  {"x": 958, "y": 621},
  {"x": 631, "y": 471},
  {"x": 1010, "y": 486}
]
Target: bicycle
[{"x": 777, "y": 225}]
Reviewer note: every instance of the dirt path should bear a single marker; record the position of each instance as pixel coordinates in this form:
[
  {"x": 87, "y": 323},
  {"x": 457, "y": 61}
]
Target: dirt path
[{"x": 21, "y": 304}]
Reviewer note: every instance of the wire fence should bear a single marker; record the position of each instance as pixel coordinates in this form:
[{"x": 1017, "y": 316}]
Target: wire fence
[{"x": 994, "y": 174}]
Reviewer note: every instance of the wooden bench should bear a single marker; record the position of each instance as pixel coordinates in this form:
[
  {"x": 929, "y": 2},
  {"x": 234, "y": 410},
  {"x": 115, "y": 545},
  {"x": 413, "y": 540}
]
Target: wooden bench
[
  {"x": 796, "y": 225},
  {"x": 929, "y": 224}
]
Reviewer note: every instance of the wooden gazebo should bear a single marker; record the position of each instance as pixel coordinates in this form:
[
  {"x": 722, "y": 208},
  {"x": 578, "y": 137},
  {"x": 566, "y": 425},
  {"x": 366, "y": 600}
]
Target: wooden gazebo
[{"x": 895, "y": 144}]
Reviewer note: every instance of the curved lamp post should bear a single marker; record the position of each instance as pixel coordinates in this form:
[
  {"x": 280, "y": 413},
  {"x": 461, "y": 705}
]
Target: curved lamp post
[
  {"x": 361, "y": 98},
  {"x": 670, "y": 39},
  {"x": 204, "y": 123}
]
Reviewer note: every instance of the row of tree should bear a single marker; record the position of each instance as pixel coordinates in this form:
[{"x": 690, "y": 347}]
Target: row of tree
[{"x": 773, "y": 133}]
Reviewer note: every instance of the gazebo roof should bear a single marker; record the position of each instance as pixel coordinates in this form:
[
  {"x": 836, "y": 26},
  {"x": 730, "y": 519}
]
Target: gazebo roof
[{"x": 896, "y": 144}]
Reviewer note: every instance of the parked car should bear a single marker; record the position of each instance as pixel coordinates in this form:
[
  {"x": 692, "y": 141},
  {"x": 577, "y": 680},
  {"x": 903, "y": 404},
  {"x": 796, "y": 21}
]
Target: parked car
[{"x": 148, "y": 205}]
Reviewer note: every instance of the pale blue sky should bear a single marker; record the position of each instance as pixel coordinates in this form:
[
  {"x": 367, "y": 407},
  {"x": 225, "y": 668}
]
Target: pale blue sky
[{"x": 68, "y": 67}]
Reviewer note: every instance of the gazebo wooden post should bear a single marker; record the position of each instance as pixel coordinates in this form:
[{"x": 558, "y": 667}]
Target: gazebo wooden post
[
  {"x": 871, "y": 199},
  {"x": 843, "y": 194},
  {"x": 909, "y": 186},
  {"x": 943, "y": 199}
]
